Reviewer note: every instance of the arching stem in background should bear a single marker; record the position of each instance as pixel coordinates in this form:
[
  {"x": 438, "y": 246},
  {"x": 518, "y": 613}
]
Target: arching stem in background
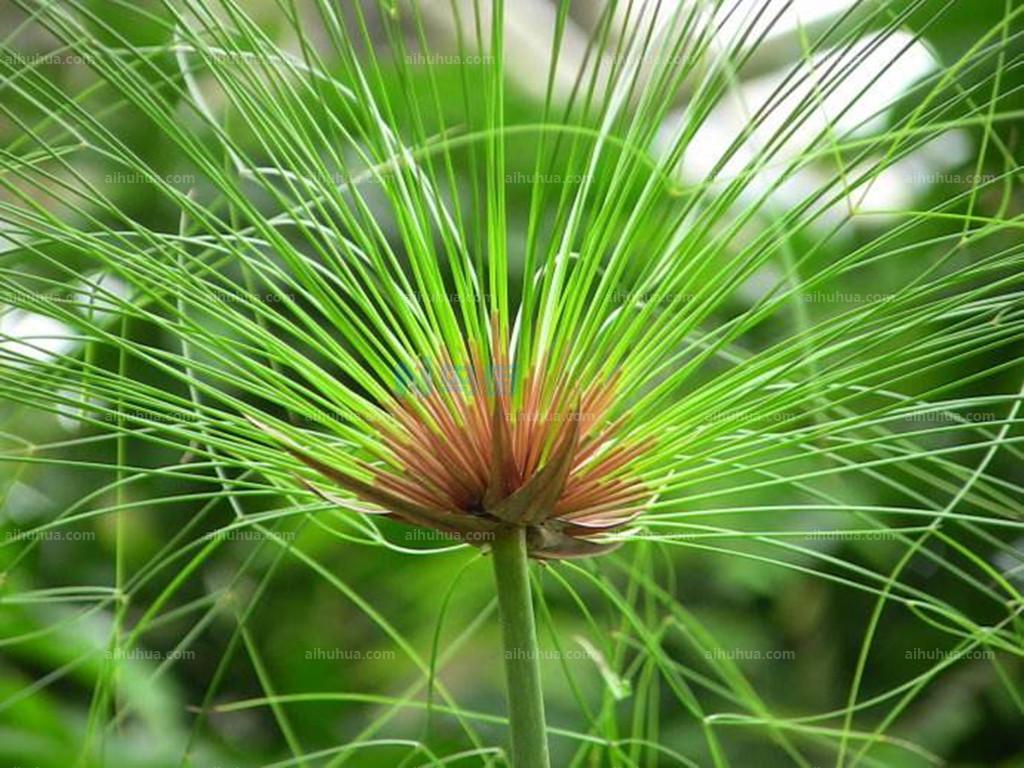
[{"x": 519, "y": 637}]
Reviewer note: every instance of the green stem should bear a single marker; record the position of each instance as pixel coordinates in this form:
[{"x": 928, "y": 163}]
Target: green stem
[{"x": 522, "y": 662}]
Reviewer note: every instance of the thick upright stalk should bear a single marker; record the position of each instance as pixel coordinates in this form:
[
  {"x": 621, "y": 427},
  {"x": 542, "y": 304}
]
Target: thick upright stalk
[{"x": 522, "y": 665}]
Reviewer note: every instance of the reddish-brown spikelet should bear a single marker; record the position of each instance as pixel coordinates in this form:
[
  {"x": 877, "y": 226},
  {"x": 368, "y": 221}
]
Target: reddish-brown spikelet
[{"x": 468, "y": 462}]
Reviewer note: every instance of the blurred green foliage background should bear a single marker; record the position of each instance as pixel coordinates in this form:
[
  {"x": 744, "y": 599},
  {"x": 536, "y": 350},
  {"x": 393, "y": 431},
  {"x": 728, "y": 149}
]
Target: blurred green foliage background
[{"x": 796, "y": 635}]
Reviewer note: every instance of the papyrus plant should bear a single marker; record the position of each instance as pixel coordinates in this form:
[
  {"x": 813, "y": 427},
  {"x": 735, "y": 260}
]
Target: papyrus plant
[{"x": 541, "y": 292}]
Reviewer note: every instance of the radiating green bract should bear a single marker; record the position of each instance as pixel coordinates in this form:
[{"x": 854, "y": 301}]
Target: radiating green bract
[{"x": 234, "y": 236}]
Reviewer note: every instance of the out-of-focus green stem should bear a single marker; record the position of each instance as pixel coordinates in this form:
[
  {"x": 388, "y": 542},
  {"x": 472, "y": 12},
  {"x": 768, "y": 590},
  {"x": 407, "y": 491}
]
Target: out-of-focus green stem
[{"x": 522, "y": 663}]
